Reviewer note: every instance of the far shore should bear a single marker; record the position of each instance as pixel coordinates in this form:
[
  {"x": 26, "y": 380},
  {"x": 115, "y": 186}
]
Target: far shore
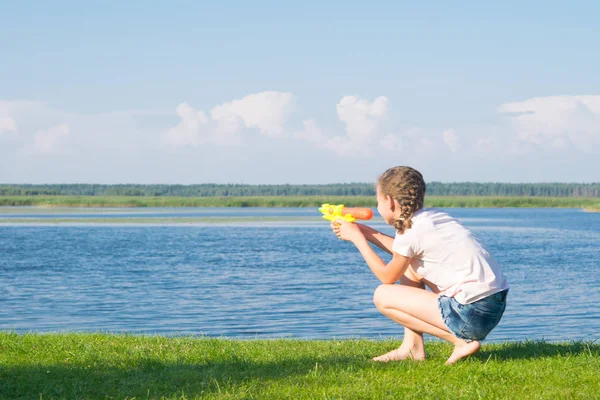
[{"x": 585, "y": 203}]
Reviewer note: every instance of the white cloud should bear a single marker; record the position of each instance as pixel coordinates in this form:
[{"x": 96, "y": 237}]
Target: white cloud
[
  {"x": 451, "y": 139},
  {"x": 190, "y": 129},
  {"x": 427, "y": 142},
  {"x": 485, "y": 144},
  {"x": 361, "y": 118},
  {"x": 341, "y": 145},
  {"x": 391, "y": 143},
  {"x": 344, "y": 147},
  {"x": 48, "y": 141},
  {"x": 557, "y": 120},
  {"x": 7, "y": 125},
  {"x": 124, "y": 146},
  {"x": 560, "y": 143},
  {"x": 312, "y": 133},
  {"x": 266, "y": 111}
]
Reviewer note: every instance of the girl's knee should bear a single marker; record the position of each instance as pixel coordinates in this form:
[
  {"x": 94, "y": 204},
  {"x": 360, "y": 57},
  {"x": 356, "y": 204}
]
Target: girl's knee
[{"x": 380, "y": 295}]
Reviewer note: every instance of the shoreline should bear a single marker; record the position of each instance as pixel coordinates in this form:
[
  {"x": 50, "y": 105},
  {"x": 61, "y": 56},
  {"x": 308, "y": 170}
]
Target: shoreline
[
  {"x": 125, "y": 335},
  {"x": 136, "y": 202}
]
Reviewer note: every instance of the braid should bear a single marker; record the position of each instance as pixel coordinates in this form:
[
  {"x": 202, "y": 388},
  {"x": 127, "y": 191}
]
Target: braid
[{"x": 407, "y": 187}]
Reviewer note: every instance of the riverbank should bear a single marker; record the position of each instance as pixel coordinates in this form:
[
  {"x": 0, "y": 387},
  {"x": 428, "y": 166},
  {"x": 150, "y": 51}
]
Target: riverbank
[
  {"x": 294, "y": 201},
  {"x": 96, "y": 365}
]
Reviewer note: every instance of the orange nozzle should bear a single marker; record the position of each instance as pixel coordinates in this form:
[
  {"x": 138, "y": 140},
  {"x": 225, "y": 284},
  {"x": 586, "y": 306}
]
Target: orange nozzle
[{"x": 357, "y": 212}]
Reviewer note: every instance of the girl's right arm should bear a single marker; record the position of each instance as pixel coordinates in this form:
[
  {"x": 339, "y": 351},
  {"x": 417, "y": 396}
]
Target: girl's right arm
[
  {"x": 386, "y": 272},
  {"x": 379, "y": 239}
]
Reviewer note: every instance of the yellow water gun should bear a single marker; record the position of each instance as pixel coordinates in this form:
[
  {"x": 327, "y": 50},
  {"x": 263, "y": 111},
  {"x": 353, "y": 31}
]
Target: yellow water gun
[{"x": 332, "y": 212}]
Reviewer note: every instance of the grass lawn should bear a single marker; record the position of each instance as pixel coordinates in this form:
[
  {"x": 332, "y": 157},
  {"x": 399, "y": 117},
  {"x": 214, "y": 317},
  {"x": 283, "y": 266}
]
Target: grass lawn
[{"x": 107, "y": 366}]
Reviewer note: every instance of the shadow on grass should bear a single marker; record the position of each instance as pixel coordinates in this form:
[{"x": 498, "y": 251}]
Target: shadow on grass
[
  {"x": 538, "y": 349},
  {"x": 153, "y": 378}
]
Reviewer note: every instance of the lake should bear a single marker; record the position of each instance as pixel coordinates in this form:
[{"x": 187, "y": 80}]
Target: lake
[{"x": 265, "y": 273}]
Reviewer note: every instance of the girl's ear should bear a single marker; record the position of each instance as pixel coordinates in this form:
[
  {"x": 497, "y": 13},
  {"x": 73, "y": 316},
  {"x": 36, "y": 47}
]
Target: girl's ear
[{"x": 391, "y": 202}]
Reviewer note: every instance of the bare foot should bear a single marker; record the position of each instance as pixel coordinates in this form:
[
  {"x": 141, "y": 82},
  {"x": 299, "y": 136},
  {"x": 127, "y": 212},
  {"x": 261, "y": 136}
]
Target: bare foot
[
  {"x": 462, "y": 351},
  {"x": 402, "y": 353}
]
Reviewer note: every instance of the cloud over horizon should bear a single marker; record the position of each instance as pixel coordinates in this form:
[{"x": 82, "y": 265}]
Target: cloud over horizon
[
  {"x": 361, "y": 119},
  {"x": 265, "y": 111},
  {"x": 251, "y": 131},
  {"x": 49, "y": 141},
  {"x": 7, "y": 125},
  {"x": 451, "y": 139},
  {"x": 559, "y": 121}
]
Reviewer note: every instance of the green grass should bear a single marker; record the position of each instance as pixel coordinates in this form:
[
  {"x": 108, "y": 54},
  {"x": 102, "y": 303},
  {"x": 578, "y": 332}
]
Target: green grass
[
  {"x": 106, "y": 366},
  {"x": 290, "y": 201}
]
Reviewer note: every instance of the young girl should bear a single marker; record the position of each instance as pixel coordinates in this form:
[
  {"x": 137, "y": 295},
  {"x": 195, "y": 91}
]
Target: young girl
[{"x": 468, "y": 291}]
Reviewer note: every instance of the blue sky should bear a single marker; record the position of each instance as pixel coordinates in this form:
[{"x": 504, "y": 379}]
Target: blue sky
[{"x": 260, "y": 92}]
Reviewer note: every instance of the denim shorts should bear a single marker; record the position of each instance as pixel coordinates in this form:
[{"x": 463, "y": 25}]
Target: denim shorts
[{"x": 473, "y": 321}]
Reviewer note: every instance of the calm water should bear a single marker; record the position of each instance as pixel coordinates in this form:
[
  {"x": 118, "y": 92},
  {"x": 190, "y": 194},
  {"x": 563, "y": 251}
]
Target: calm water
[{"x": 261, "y": 280}]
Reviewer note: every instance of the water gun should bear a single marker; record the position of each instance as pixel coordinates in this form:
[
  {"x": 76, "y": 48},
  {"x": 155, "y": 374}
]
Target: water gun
[{"x": 332, "y": 212}]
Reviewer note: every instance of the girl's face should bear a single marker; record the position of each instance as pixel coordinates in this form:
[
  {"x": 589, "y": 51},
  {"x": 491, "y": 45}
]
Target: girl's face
[{"x": 386, "y": 207}]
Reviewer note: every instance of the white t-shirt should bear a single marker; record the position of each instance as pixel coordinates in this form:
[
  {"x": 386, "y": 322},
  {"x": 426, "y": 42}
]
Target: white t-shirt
[{"x": 447, "y": 254}]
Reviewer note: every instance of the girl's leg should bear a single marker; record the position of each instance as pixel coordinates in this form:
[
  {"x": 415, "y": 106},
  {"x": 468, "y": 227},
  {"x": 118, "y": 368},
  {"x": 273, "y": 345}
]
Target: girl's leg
[
  {"x": 412, "y": 346},
  {"x": 417, "y": 310}
]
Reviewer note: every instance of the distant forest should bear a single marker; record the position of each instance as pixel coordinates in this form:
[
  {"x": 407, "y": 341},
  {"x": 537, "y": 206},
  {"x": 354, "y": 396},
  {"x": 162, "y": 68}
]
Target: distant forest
[{"x": 347, "y": 189}]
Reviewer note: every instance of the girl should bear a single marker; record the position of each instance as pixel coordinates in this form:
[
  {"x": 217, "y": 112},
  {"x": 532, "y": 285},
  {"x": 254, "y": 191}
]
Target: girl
[{"x": 468, "y": 291}]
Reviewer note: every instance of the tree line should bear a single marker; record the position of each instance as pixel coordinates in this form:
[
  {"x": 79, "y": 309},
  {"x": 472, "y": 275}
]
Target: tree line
[{"x": 339, "y": 189}]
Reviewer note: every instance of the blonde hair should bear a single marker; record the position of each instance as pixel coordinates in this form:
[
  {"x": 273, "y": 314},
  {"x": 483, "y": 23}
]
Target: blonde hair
[{"x": 407, "y": 187}]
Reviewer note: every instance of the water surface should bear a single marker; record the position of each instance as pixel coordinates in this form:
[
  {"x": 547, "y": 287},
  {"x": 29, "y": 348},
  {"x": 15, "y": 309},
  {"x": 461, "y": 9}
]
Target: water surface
[{"x": 272, "y": 279}]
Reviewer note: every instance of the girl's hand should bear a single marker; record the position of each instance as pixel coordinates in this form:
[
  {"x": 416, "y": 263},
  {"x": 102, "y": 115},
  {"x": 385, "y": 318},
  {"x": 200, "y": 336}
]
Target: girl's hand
[{"x": 346, "y": 230}]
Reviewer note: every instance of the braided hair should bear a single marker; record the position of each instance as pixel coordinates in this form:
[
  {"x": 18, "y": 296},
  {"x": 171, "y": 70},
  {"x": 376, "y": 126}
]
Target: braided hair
[{"x": 407, "y": 187}]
